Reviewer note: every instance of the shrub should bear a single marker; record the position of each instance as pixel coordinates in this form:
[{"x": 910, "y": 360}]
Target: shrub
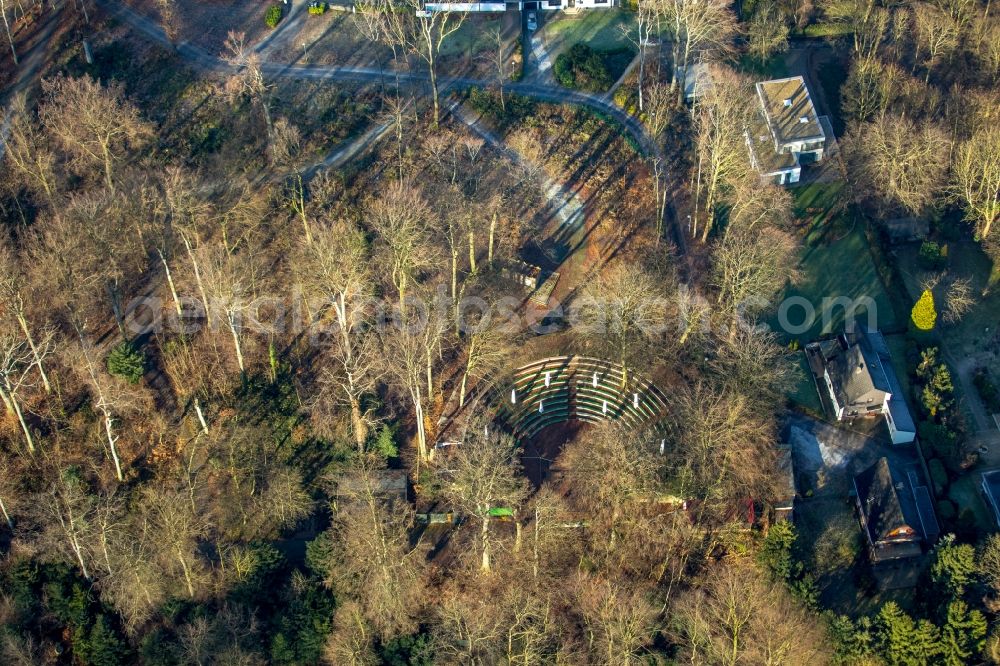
[
  {"x": 932, "y": 257},
  {"x": 582, "y": 68},
  {"x": 517, "y": 60},
  {"x": 826, "y": 30},
  {"x": 944, "y": 442},
  {"x": 937, "y": 387},
  {"x": 273, "y": 16},
  {"x": 385, "y": 443},
  {"x": 128, "y": 362},
  {"x": 924, "y": 315},
  {"x": 417, "y": 650},
  {"x": 954, "y": 565},
  {"x": 946, "y": 509},
  {"x": 487, "y": 103},
  {"x": 317, "y": 8},
  {"x": 987, "y": 389},
  {"x": 622, "y": 96},
  {"x": 938, "y": 475}
]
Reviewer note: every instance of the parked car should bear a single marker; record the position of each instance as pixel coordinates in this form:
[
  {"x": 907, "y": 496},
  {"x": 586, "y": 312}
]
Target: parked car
[{"x": 532, "y": 21}]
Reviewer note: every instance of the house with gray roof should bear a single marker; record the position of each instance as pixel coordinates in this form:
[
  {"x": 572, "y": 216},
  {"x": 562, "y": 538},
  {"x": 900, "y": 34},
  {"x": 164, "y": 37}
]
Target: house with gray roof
[
  {"x": 855, "y": 369},
  {"x": 787, "y": 131},
  {"x": 991, "y": 491},
  {"x": 895, "y": 511}
]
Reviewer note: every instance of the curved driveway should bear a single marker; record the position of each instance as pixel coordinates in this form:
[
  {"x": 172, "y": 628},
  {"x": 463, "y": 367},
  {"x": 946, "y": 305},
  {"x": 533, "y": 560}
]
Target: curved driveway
[{"x": 544, "y": 92}]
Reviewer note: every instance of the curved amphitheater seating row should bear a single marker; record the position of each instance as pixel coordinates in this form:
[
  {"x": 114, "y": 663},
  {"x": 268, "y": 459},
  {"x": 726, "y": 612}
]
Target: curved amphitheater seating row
[{"x": 564, "y": 388}]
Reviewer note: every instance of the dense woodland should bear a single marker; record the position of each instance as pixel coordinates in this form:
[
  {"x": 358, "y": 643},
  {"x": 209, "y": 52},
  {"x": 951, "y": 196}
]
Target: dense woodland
[{"x": 212, "y": 349}]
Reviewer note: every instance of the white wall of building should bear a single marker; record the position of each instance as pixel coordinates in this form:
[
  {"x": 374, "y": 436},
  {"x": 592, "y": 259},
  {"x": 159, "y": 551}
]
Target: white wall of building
[{"x": 466, "y": 6}]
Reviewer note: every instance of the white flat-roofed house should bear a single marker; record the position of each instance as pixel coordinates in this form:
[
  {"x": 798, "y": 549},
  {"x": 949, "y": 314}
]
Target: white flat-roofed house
[
  {"x": 520, "y": 5},
  {"x": 787, "y": 132},
  {"x": 481, "y": 7}
]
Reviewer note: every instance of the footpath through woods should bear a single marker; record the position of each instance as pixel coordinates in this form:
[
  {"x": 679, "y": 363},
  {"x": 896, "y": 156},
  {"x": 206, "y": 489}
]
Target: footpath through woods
[{"x": 539, "y": 91}]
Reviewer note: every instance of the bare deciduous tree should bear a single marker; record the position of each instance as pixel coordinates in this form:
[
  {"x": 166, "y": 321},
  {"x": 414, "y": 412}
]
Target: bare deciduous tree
[
  {"x": 350, "y": 642},
  {"x": 6, "y": 25},
  {"x": 767, "y": 32},
  {"x": 695, "y": 25},
  {"x": 621, "y": 314},
  {"x": 713, "y": 434},
  {"x": 936, "y": 35},
  {"x": 336, "y": 272},
  {"x": 753, "y": 363},
  {"x": 751, "y": 265},
  {"x": 958, "y": 300},
  {"x": 871, "y": 88},
  {"x": 248, "y": 76},
  {"x": 68, "y": 510},
  {"x": 405, "y": 368},
  {"x": 231, "y": 282},
  {"x": 14, "y": 286},
  {"x": 867, "y": 20},
  {"x": 178, "y": 528},
  {"x": 484, "y": 474},
  {"x": 721, "y": 120},
  {"x": 430, "y": 31},
  {"x": 898, "y": 163},
  {"x": 638, "y": 33},
  {"x": 95, "y": 124},
  {"x": 737, "y": 618},
  {"x": 27, "y": 150},
  {"x": 16, "y": 362},
  {"x": 618, "y": 617},
  {"x": 976, "y": 179},
  {"x": 401, "y": 218},
  {"x": 112, "y": 397},
  {"x": 487, "y": 344},
  {"x": 612, "y": 469},
  {"x": 373, "y": 561}
]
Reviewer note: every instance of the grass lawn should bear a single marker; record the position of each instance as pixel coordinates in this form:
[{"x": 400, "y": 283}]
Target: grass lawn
[
  {"x": 965, "y": 260},
  {"x": 600, "y": 30},
  {"x": 476, "y": 35},
  {"x": 964, "y": 493},
  {"x": 897, "y": 347},
  {"x": 774, "y": 67},
  {"x": 804, "y": 393},
  {"x": 834, "y": 262}
]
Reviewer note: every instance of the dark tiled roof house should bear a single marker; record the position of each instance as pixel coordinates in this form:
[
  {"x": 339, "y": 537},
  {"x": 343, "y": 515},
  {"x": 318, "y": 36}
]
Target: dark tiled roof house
[{"x": 895, "y": 512}]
